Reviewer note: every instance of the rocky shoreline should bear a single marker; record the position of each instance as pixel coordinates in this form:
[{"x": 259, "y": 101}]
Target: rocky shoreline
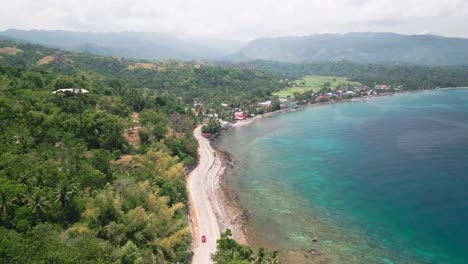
[
  {"x": 237, "y": 218},
  {"x": 234, "y": 215}
]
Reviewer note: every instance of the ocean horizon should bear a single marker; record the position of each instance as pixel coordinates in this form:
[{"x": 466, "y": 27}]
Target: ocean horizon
[{"x": 382, "y": 180}]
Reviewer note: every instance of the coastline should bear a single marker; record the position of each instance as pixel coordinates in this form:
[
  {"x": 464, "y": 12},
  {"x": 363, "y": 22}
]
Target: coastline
[
  {"x": 348, "y": 100},
  {"x": 237, "y": 218},
  {"x": 232, "y": 214}
]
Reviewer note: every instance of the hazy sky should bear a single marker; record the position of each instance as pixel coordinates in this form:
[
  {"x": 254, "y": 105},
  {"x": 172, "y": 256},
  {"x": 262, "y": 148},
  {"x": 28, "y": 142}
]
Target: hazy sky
[{"x": 240, "y": 19}]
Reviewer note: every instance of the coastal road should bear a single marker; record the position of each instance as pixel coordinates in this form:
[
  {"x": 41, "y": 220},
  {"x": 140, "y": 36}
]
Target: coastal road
[{"x": 204, "y": 209}]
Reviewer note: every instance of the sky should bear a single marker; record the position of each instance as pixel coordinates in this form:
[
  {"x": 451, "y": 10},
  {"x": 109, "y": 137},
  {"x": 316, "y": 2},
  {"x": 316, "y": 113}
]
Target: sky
[{"x": 240, "y": 19}]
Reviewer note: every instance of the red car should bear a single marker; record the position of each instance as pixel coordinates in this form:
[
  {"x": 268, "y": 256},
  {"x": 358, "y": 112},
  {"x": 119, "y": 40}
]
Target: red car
[{"x": 203, "y": 239}]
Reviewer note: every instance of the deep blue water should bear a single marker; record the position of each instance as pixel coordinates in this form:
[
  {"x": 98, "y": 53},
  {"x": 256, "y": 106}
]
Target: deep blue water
[{"x": 378, "y": 181}]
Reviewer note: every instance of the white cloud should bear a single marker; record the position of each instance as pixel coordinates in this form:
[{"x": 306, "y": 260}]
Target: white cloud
[{"x": 240, "y": 19}]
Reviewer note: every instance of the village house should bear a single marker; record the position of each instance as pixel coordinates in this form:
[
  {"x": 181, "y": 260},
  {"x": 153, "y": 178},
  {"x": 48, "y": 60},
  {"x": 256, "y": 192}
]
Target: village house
[
  {"x": 264, "y": 104},
  {"x": 349, "y": 94},
  {"x": 71, "y": 90},
  {"x": 322, "y": 98},
  {"x": 239, "y": 116},
  {"x": 383, "y": 87}
]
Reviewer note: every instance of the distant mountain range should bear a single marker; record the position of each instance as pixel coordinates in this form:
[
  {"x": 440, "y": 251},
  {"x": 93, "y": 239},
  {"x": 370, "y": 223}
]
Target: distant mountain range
[
  {"x": 388, "y": 48},
  {"x": 360, "y": 47},
  {"x": 132, "y": 45}
]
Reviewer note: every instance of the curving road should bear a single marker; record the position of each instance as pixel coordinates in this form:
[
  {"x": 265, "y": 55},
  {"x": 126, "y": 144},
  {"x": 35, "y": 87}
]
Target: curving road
[{"x": 204, "y": 207}]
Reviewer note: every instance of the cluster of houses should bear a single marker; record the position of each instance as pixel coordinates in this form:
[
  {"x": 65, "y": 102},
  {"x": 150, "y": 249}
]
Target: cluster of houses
[
  {"x": 240, "y": 114},
  {"x": 356, "y": 91},
  {"x": 282, "y": 103}
]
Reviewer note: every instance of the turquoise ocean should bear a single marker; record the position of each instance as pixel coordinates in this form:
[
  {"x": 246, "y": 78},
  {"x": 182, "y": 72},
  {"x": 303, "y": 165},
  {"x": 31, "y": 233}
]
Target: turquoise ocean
[{"x": 383, "y": 180}]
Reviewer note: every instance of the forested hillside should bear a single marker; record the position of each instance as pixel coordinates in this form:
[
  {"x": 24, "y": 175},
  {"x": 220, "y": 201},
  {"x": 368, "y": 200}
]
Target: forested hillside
[
  {"x": 97, "y": 174},
  {"x": 360, "y": 47},
  {"x": 410, "y": 77},
  {"x": 65, "y": 196},
  {"x": 185, "y": 80},
  {"x": 389, "y": 48},
  {"x": 131, "y": 45}
]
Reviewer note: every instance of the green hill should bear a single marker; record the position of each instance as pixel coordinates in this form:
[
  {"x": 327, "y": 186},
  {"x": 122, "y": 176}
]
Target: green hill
[
  {"x": 375, "y": 48},
  {"x": 188, "y": 80},
  {"x": 97, "y": 174},
  {"x": 410, "y": 77},
  {"x": 132, "y": 45}
]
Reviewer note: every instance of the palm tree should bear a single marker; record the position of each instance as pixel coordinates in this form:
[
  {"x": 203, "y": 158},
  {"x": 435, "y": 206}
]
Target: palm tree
[
  {"x": 40, "y": 181},
  {"x": 6, "y": 204},
  {"x": 38, "y": 204},
  {"x": 65, "y": 194},
  {"x": 264, "y": 257}
]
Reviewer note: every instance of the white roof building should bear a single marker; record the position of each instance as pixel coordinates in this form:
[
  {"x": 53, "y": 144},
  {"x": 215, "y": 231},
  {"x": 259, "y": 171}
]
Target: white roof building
[
  {"x": 266, "y": 103},
  {"x": 71, "y": 90}
]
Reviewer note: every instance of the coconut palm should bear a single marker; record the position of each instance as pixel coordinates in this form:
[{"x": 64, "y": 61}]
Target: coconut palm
[
  {"x": 66, "y": 191},
  {"x": 264, "y": 257},
  {"x": 6, "y": 204},
  {"x": 40, "y": 181},
  {"x": 38, "y": 204}
]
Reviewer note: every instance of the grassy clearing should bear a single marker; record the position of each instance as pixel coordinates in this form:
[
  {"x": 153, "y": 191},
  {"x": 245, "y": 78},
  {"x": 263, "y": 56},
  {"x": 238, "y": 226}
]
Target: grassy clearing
[
  {"x": 289, "y": 92},
  {"x": 314, "y": 83}
]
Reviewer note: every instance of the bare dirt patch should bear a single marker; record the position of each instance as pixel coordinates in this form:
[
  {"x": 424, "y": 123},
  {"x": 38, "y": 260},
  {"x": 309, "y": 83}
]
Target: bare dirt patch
[
  {"x": 59, "y": 59},
  {"x": 10, "y": 51},
  {"x": 123, "y": 160},
  {"x": 46, "y": 60},
  {"x": 135, "y": 116},
  {"x": 131, "y": 135},
  {"x": 141, "y": 65}
]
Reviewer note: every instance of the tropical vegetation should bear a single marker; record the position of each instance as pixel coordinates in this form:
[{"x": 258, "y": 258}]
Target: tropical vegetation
[
  {"x": 94, "y": 150},
  {"x": 229, "y": 251}
]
